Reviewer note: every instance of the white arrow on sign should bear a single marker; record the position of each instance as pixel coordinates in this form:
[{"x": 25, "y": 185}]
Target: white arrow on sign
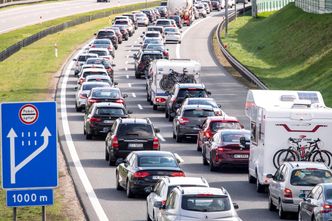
[{"x": 13, "y": 168}]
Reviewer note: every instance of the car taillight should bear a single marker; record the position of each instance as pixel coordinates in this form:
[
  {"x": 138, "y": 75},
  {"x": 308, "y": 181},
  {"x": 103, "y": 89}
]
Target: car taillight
[
  {"x": 288, "y": 193},
  {"x": 93, "y": 46},
  {"x": 94, "y": 119},
  {"x": 110, "y": 48},
  {"x": 83, "y": 96},
  {"x": 326, "y": 208},
  {"x": 81, "y": 80},
  {"x": 92, "y": 101},
  {"x": 163, "y": 202},
  {"x": 208, "y": 133},
  {"x": 183, "y": 120},
  {"x": 160, "y": 99},
  {"x": 119, "y": 101},
  {"x": 155, "y": 144},
  {"x": 165, "y": 53},
  {"x": 219, "y": 152},
  {"x": 180, "y": 173},
  {"x": 141, "y": 174},
  {"x": 115, "y": 142}
]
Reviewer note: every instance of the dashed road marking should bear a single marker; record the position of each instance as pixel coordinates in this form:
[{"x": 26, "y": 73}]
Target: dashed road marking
[
  {"x": 161, "y": 137},
  {"x": 127, "y": 76},
  {"x": 129, "y": 85},
  {"x": 134, "y": 95},
  {"x": 139, "y": 106}
]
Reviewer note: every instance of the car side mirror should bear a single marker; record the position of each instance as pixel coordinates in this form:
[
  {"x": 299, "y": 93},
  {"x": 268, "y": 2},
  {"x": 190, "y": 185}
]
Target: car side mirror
[
  {"x": 75, "y": 88},
  {"x": 74, "y": 59},
  {"x": 116, "y": 83},
  {"x": 236, "y": 206},
  {"x": 113, "y": 65},
  {"x": 157, "y": 130},
  {"x": 125, "y": 95},
  {"x": 209, "y": 92},
  {"x": 119, "y": 161},
  {"x": 270, "y": 176},
  {"x": 219, "y": 105},
  {"x": 178, "y": 158},
  {"x": 148, "y": 189}
]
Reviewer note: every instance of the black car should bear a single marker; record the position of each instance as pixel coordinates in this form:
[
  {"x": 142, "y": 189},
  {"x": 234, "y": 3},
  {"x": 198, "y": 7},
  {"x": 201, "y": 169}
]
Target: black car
[
  {"x": 177, "y": 19},
  {"x": 107, "y": 65},
  {"x": 100, "y": 117},
  {"x": 118, "y": 33},
  {"x": 109, "y": 34},
  {"x": 143, "y": 169},
  {"x": 179, "y": 93},
  {"x": 150, "y": 15},
  {"x": 127, "y": 135},
  {"x": 133, "y": 18},
  {"x": 98, "y": 95},
  {"x": 142, "y": 61},
  {"x": 216, "y": 5}
]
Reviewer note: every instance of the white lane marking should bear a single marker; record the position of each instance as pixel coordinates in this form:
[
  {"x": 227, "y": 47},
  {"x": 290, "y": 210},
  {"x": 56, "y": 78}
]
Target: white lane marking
[
  {"x": 127, "y": 56},
  {"x": 126, "y": 68},
  {"x": 135, "y": 42},
  {"x": 161, "y": 137},
  {"x": 126, "y": 62},
  {"x": 134, "y": 95},
  {"x": 127, "y": 76},
  {"x": 139, "y": 106},
  {"x": 72, "y": 150},
  {"x": 129, "y": 85},
  {"x": 178, "y": 46}
]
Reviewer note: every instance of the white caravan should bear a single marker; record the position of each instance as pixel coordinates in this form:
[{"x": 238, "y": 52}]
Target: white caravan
[
  {"x": 275, "y": 116},
  {"x": 159, "y": 72}
]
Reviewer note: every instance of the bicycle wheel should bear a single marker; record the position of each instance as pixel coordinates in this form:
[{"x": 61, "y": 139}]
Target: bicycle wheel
[
  {"x": 275, "y": 158},
  {"x": 322, "y": 156},
  {"x": 286, "y": 156}
]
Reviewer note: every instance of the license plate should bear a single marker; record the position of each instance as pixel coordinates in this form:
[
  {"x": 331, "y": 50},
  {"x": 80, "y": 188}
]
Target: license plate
[
  {"x": 157, "y": 177},
  {"x": 135, "y": 145},
  {"x": 241, "y": 156},
  {"x": 108, "y": 121}
]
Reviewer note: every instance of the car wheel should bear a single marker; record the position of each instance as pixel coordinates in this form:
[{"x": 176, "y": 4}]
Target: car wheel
[
  {"x": 271, "y": 206},
  {"x": 205, "y": 162},
  {"x": 174, "y": 136},
  {"x": 282, "y": 214},
  {"x": 199, "y": 148},
  {"x": 117, "y": 183},
  {"x": 148, "y": 98},
  {"x": 212, "y": 167},
  {"x": 111, "y": 162},
  {"x": 166, "y": 113},
  {"x": 137, "y": 75},
  {"x": 170, "y": 118},
  {"x": 107, "y": 155},
  {"x": 178, "y": 138},
  {"x": 78, "y": 109},
  {"x": 128, "y": 190},
  {"x": 88, "y": 136}
]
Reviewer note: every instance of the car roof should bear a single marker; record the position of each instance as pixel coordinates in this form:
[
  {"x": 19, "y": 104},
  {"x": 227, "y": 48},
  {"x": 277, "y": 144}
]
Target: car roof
[
  {"x": 201, "y": 190},
  {"x": 174, "y": 181},
  {"x": 195, "y": 106},
  {"x": 305, "y": 164},
  {"x": 98, "y": 76},
  {"x": 106, "y": 29},
  {"x": 152, "y": 32},
  {"x": 231, "y": 131},
  {"x": 152, "y": 153},
  {"x": 109, "y": 104},
  {"x": 107, "y": 88},
  {"x": 94, "y": 69},
  {"x": 199, "y": 86},
  {"x": 98, "y": 49},
  {"x": 154, "y": 26},
  {"x": 95, "y": 82},
  {"x": 222, "y": 118},
  {"x": 135, "y": 120},
  {"x": 151, "y": 52},
  {"x": 200, "y": 98}
]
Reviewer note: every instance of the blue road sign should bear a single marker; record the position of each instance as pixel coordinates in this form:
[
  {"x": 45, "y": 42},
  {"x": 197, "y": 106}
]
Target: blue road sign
[
  {"x": 41, "y": 197},
  {"x": 29, "y": 145}
]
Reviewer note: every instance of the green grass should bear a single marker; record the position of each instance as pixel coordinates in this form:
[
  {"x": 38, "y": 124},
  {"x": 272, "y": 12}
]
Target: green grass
[
  {"x": 288, "y": 49},
  {"x": 27, "y": 75}
]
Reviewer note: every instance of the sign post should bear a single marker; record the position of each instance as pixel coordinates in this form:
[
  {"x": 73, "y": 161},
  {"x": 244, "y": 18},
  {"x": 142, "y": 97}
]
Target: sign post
[{"x": 29, "y": 153}]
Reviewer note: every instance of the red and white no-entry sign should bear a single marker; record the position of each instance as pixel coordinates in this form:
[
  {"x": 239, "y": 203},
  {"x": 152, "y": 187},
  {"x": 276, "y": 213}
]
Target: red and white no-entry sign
[{"x": 28, "y": 114}]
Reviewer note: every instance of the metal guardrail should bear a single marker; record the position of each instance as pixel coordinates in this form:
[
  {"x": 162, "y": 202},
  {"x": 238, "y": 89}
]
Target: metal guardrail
[
  {"x": 245, "y": 72},
  {"x": 35, "y": 37}
]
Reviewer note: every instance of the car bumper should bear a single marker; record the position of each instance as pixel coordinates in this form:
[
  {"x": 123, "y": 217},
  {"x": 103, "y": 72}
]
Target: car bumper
[
  {"x": 100, "y": 129},
  {"x": 172, "y": 38},
  {"x": 290, "y": 206},
  {"x": 232, "y": 162},
  {"x": 137, "y": 186},
  {"x": 81, "y": 103},
  {"x": 188, "y": 131}
]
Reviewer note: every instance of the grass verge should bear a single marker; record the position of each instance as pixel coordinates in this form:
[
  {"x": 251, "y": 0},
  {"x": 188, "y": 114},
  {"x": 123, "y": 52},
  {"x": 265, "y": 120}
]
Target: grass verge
[
  {"x": 288, "y": 49},
  {"x": 28, "y": 75}
]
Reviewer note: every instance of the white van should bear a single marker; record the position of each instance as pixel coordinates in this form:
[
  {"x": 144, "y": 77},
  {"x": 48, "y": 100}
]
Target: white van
[
  {"x": 160, "y": 70},
  {"x": 275, "y": 116}
]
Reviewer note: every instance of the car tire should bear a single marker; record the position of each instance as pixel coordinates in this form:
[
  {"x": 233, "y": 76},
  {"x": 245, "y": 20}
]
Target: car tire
[
  {"x": 148, "y": 98},
  {"x": 137, "y": 75},
  {"x": 78, "y": 109},
  {"x": 198, "y": 148},
  {"x": 166, "y": 114},
  {"x": 251, "y": 179},
  {"x": 205, "y": 162},
  {"x": 128, "y": 190},
  {"x": 281, "y": 213},
  {"x": 170, "y": 118},
  {"x": 155, "y": 107},
  {"x": 111, "y": 162},
  {"x": 174, "y": 136},
  {"x": 271, "y": 206},
  {"x": 259, "y": 187},
  {"x": 88, "y": 136},
  {"x": 117, "y": 183},
  {"x": 178, "y": 138},
  {"x": 212, "y": 167},
  {"x": 107, "y": 155}
]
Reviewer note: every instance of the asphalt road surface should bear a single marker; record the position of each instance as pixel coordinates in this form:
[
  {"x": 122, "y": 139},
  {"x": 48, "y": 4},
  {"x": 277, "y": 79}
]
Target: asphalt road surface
[
  {"x": 17, "y": 17},
  {"x": 102, "y": 196}
]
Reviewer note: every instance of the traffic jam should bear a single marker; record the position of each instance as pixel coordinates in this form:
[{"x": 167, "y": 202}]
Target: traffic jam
[{"x": 284, "y": 147}]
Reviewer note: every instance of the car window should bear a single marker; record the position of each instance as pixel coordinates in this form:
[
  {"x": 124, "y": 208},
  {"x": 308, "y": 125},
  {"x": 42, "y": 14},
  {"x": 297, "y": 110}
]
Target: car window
[
  {"x": 151, "y": 57},
  {"x": 109, "y": 111},
  {"x": 310, "y": 177},
  {"x": 328, "y": 194},
  {"x": 99, "y": 53},
  {"x": 121, "y": 22},
  {"x": 141, "y": 131},
  {"x": 211, "y": 103},
  {"x": 163, "y": 23},
  {"x": 90, "y": 86},
  {"x": 215, "y": 126},
  {"x": 195, "y": 92},
  {"x": 152, "y": 35},
  {"x": 157, "y": 161},
  {"x": 88, "y": 73},
  {"x": 198, "y": 113},
  {"x": 106, "y": 94},
  {"x": 233, "y": 137},
  {"x": 82, "y": 58},
  {"x": 204, "y": 203}
]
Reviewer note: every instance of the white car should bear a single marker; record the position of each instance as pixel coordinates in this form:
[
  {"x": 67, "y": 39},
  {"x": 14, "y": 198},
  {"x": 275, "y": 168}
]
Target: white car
[
  {"x": 83, "y": 91},
  {"x": 165, "y": 22},
  {"x": 100, "y": 78},
  {"x": 201, "y": 10},
  {"x": 163, "y": 188},
  {"x": 207, "y": 7},
  {"x": 231, "y": 3},
  {"x": 173, "y": 34},
  {"x": 91, "y": 71},
  {"x": 292, "y": 182},
  {"x": 142, "y": 19},
  {"x": 102, "y": 53},
  {"x": 81, "y": 60},
  {"x": 153, "y": 34},
  {"x": 198, "y": 203}
]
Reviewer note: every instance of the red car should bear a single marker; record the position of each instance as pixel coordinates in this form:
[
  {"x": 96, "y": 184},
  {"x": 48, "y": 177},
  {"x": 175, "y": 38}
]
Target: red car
[
  {"x": 227, "y": 147},
  {"x": 212, "y": 124}
]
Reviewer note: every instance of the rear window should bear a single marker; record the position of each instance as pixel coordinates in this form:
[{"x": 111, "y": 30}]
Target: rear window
[
  {"x": 195, "y": 92},
  {"x": 139, "y": 131},
  {"x": 98, "y": 80},
  {"x": 163, "y": 23},
  {"x": 105, "y": 34},
  {"x": 90, "y": 86},
  {"x": 106, "y": 94},
  {"x": 233, "y": 137},
  {"x": 215, "y": 126},
  {"x": 310, "y": 177},
  {"x": 203, "y": 102},
  {"x": 99, "y": 53},
  {"x": 157, "y": 161},
  {"x": 119, "y": 22},
  {"x": 198, "y": 113},
  {"x": 88, "y": 73},
  {"x": 101, "y": 42},
  {"x": 155, "y": 29},
  {"x": 151, "y": 56},
  {"x": 205, "y": 203},
  {"x": 109, "y": 111},
  {"x": 152, "y": 35}
]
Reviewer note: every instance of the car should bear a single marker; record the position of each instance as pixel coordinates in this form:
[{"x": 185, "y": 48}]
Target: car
[
  {"x": 102, "y": 53},
  {"x": 108, "y": 34},
  {"x": 81, "y": 60},
  {"x": 212, "y": 124},
  {"x": 118, "y": 33},
  {"x": 207, "y": 7},
  {"x": 179, "y": 93},
  {"x": 163, "y": 188},
  {"x": 173, "y": 34},
  {"x": 158, "y": 47},
  {"x": 188, "y": 120},
  {"x": 142, "y": 169},
  {"x": 133, "y": 19},
  {"x": 142, "y": 61},
  {"x": 85, "y": 66},
  {"x": 201, "y": 10},
  {"x": 209, "y": 3},
  {"x": 142, "y": 19},
  {"x": 123, "y": 30},
  {"x": 103, "y": 43},
  {"x": 150, "y": 15},
  {"x": 163, "y": 11},
  {"x": 165, "y": 23},
  {"x": 90, "y": 71},
  {"x": 177, "y": 19},
  {"x": 196, "y": 13},
  {"x": 204, "y": 101},
  {"x": 128, "y": 135},
  {"x": 231, "y": 3},
  {"x": 98, "y": 95},
  {"x": 100, "y": 78},
  {"x": 317, "y": 204},
  {"x": 228, "y": 147},
  {"x": 105, "y": 62},
  {"x": 198, "y": 203},
  {"x": 125, "y": 22},
  {"x": 153, "y": 35},
  {"x": 99, "y": 118},
  {"x": 292, "y": 182},
  {"x": 156, "y": 28},
  {"x": 83, "y": 91},
  {"x": 150, "y": 41},
  {"x": 217, "y": 4},
  {"x": 156, "y": 12}
]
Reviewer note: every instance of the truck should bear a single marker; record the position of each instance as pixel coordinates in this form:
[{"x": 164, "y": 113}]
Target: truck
[
  {"x": 183, "y": 8},
  {"x": 277, "y": 117},
  {"x": 163, "y": 74}
]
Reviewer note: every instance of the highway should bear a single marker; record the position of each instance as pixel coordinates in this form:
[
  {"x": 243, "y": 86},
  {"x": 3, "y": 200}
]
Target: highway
[
  {"x": 88, "y": 156},
  {"x": 18, "y": 17}
]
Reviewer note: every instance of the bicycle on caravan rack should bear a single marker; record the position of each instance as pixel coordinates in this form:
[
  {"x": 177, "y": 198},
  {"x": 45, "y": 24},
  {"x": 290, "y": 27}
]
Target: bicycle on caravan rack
[
  {"x": 298, "y": 152},
  {"x": 168, "y": 81}
]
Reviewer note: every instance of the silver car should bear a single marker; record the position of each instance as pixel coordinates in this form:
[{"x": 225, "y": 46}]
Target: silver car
[
  {"x": 292, "y": 182},
  {"x": 81, "y": 60},
  {"x": 198, "y": 203},
  {"x": 173, "y": 34},
  {"x": 83, "y": 91}
]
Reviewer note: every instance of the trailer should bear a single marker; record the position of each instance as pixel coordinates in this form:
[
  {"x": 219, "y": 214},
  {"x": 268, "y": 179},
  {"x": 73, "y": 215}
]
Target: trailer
[{"x": 183, "y": 8}]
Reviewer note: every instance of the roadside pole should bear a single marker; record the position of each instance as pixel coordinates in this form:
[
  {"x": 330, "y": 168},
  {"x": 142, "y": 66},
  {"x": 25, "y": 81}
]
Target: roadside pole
[
  {"x": 235, "y": 11},
  {"x": 226, "y": 18}
]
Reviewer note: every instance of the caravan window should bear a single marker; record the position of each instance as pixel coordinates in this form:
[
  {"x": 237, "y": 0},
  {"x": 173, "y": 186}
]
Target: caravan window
[{"x": 254, "y": 137}]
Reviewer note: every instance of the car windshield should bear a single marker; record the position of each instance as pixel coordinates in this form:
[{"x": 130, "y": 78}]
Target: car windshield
[
  {"x": 82, "y": 58},
  {"x": 121, "y": 22},
  {"x": 101, "y": 41},
  {"x": 99, "y": 53},
  {"x": 310, "y": 177},
  {"x": 205, "y": 203},
  {"x": 215, "y": 126},
  {"x": 88, "y": 87},
  {"x": 195, "y": 92},
  {"x": 109, "y": 111},
  {"x": 152, "y": 35},
  {"x": 155, "y": 29},
  {"x": 157, "y": 161},
  {"x": 88, "y": 73},
  {"x": 104, "y": 62},
  {"x": 172, "y": 30},
  {"x": 155, "y": 47},
  {"x": 142, "y": 131},
  {"x": 163, "y": 23},
  {"x": 151, "y": 57},
  {"x": 234, "y": 137},
  {"x": 211, "y": 103},
  {"x": 106, "y": 94},
  {"x": 198, "y": 113}
]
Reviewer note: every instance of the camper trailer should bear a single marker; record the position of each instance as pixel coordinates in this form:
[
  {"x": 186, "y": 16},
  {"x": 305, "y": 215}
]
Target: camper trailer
[{"x": 275, "y": 116}]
